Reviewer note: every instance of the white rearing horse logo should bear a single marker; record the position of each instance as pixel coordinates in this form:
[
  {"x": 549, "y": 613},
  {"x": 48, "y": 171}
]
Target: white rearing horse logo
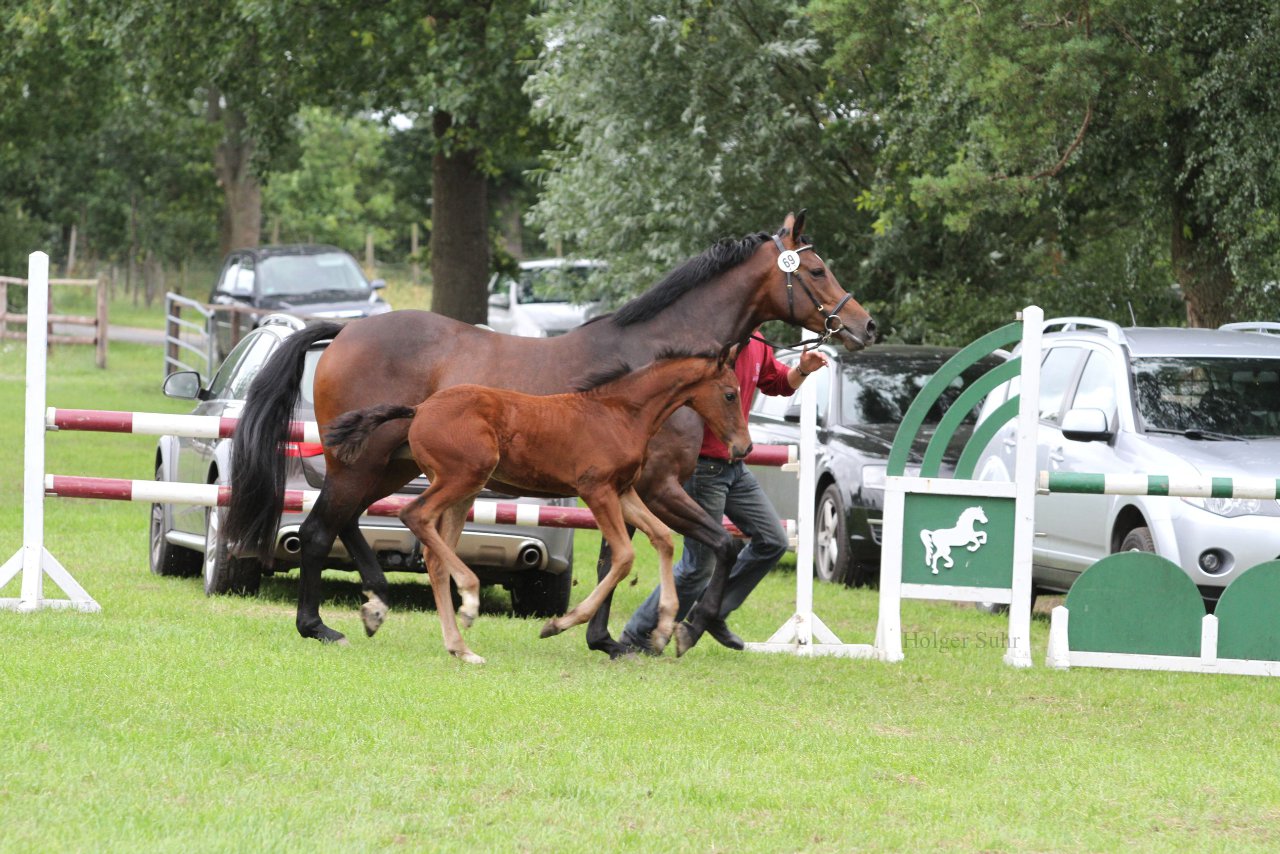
[{"x": 938, "y": 544}]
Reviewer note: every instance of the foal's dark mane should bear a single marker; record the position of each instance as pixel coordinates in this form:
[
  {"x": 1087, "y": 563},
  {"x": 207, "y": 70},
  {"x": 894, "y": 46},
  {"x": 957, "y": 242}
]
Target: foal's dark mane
[
  {"x": 595, "y": 380},
  {"x": 723, "y": 255}
]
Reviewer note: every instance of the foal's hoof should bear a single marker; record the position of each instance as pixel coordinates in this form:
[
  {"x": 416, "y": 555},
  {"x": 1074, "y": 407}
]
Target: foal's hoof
[
  {"x": 686, "y": 638},
  {"x": 466, "y": 619},
  {"x": 659, "y": 641},
  {"x": 550, "y": 629},
  {"x": 373, "y": 613},
  {"x": 468, "y": 656}
]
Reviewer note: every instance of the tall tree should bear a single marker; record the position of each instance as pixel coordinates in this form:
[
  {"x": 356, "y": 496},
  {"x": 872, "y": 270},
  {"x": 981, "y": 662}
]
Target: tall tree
[
  {"x": 684, "y": 121},
  {"x": 457, "y": 68}
]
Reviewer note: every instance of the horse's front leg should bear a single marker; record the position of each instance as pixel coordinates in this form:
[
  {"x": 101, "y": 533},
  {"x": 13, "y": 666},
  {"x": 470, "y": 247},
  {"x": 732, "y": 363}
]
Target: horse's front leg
[
  {"x": 598, "y": 637},
  {"x": 634, "y": 511},
  {"x": 606, "y": 506}
]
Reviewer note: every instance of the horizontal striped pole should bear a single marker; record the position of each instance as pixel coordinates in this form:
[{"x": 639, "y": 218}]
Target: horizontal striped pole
[
  {"x": 302, "y": 500},
  {"x": 161, "y": 424},
  {"x": 222, "y": 427},
  {"x": 1143, "y": 484}
]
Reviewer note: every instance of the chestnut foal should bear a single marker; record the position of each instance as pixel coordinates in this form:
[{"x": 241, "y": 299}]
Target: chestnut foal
[{"x": 590, "y": 443}]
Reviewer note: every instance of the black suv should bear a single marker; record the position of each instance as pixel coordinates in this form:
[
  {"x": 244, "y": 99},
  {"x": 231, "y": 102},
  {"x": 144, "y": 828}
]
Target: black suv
[{"x": 310, "y": 280}]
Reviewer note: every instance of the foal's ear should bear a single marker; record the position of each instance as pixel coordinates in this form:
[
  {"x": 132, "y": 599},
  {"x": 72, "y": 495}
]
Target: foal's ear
[{"x": 728, "y": 355}]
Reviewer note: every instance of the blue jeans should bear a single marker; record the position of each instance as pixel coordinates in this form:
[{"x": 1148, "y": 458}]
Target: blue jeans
[{"x": 722, "y": 489}]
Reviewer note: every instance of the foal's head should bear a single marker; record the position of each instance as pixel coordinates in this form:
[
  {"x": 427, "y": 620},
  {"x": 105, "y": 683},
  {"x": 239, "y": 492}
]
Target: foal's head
[{"x": 718, "y": 400}]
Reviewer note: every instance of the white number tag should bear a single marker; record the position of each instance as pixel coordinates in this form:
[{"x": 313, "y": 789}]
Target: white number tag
[{"x": 789, "y": 261}]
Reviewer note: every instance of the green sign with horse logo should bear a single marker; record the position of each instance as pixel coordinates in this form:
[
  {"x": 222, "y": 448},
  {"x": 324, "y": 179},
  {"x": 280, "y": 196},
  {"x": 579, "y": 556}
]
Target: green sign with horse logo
[{"x": 958, "y": 540}]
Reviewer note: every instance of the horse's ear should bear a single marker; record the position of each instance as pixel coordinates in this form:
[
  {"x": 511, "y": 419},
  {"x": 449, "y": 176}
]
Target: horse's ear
[
  {"x": 797, "y": 229},
  {"x": 788, "y": 230}
]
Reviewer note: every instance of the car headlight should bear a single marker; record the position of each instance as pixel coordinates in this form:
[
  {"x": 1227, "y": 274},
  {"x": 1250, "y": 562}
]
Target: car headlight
[{"x": 1232, "y": 507}]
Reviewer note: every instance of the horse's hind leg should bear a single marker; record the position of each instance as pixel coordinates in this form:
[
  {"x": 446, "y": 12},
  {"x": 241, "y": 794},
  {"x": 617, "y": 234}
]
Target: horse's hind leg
[
  {"x": 450, "y": 526},
  {"x": 317, "y": 534},
  {"x": 373, "y": 581},
  {"x": 421, "y": 517},
  {"x": 634, "y": 511}
]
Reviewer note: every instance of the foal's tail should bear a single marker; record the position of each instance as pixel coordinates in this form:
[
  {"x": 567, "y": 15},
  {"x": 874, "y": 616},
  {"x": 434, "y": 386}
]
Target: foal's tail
[
  {"x": 348, "y": 434},
  {"x": 258, "y": 470}
]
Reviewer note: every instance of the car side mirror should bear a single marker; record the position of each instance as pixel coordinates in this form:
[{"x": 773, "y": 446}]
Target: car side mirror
[
  {"x": 184, "y": 385},
  {"x": 1086, "y": 425},
  {"x": 378, "y": 284}
]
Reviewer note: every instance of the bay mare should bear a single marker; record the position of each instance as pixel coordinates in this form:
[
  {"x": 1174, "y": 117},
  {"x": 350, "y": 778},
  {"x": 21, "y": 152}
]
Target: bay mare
[
  {"x": 589, "y": 444},
  {"x": 400, "y": 358}
]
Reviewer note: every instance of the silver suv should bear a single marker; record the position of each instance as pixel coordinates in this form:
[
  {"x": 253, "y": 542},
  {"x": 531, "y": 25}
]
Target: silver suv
[{"x": 1158, "y": 401}]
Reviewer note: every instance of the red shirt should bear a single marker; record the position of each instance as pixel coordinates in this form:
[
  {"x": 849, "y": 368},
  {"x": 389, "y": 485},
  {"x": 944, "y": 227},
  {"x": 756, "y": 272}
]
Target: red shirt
[{"x": 756, "y": 368}]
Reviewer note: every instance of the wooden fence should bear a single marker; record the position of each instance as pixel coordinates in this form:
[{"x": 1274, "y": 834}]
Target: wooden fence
[{"x": 97, "y": 324}]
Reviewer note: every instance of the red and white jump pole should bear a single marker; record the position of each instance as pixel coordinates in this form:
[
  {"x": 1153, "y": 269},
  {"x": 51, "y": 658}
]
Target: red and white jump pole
[{"x": 33, "y": 560}]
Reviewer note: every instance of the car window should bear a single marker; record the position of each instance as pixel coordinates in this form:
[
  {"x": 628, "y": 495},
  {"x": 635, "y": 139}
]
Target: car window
[
  {"x": 242, "y": 285},
  {"x": 1238, "y": 396},
  {"x": 241, "y": 366},
  {"x": 876, "y": 390},
  {"x": 1056, "y": 372},
  {"x": 322, "y": 276},
  {"x": 226, "y": 284},
  {"x": 556, "y": 284},
  {"x": 770, "y": 406},
  {"x": 1097, "y": 386}
]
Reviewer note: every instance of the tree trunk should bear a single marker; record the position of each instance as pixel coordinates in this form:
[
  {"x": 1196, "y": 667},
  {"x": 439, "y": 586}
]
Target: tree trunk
[
  {"x": 241, "y": 220},
  {"x": 459, "y": 230},
  {"x": 1198, "y": 256}
]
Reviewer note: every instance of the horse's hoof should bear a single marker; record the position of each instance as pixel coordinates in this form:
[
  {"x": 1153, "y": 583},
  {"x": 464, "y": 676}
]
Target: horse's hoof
[
  {"x": 374, "y": 614},
  {"x": 469, "y": 657},
  {"x": 326, "y": 635},
  {"x": 550, "y": 629},
  {"x": 659, "y": 641},
  {"x": 686, "y": 638}
]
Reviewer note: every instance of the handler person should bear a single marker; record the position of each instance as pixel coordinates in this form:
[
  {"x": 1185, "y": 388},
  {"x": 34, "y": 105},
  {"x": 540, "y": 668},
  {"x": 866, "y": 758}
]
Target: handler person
[{"x": 725, "y": 488}]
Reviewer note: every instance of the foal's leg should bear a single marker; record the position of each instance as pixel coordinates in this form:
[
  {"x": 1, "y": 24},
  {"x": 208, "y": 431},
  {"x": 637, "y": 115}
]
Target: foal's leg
[
  {"x": 421, "y": 517},
  {"x": 598, "y": 637},
  {"x": 607, "y": 508},
  {"x": 450, "y": 526},
  {"x": 659, "y": 535}
]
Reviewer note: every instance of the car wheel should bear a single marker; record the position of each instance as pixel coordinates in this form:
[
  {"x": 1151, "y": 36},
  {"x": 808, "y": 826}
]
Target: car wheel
[
  {"x": 541, "y": 594},
  {"x": 222, "y": 572},
  {"x": 165, "y": 558},
  {"x": 1138, "y": 540},
  {"x": 832, "y": 559}
]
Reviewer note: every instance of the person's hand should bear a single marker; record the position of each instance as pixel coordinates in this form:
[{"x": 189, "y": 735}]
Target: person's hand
[{"x": 810, "y": 361}]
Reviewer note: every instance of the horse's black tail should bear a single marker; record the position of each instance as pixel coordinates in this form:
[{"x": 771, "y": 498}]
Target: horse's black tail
[
  {"x": 258, "y": 464},
  {"x": 348, "y": 434}
]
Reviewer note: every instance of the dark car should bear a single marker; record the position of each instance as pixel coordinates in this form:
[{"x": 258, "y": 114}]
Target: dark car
[
  {"x": 858, "y": 417},
  {"x": 534, "y": 563},
  {"x": 311, "y": 280}
]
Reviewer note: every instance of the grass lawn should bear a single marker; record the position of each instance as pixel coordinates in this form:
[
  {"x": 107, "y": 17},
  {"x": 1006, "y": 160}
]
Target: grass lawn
[{"x": 174, "y": 722}]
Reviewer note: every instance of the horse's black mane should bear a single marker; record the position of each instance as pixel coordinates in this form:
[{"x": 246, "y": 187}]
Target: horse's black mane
[
  {"x": 721, "y": 256},
  {"x": 618, "y": 370}
]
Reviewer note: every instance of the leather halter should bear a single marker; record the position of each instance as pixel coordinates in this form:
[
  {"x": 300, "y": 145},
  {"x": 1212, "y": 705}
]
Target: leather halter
[{"x": 831, "y": 323}]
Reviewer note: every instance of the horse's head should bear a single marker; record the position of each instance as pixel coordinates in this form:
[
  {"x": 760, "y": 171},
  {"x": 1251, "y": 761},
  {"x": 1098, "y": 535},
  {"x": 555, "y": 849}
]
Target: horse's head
[
  {"x": 808, "y": 293},
  {"x": 718, "y": 401},
  {"x": 979, "y": 514}
]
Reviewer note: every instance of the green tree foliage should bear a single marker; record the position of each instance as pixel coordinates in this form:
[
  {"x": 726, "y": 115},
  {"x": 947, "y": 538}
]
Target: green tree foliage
[
  {"x": 341, "y": 189},
  {"x": 683, "y": 122},
  {"x": 1098, "y": 147}
]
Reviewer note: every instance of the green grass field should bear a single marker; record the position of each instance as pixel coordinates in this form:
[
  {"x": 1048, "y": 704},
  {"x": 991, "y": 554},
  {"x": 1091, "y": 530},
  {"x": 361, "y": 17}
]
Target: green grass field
[{"x": 173, "y": 722}]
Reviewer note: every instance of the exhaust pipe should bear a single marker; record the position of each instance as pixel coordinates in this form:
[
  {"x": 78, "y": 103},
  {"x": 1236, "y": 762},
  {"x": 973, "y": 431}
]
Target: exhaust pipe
[
  {"x": 291, "y": 543},
  {"x": 529, "y": 557}
]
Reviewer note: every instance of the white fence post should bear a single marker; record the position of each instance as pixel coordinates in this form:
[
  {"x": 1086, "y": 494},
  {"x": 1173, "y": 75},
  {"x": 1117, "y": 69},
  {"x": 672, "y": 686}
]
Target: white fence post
[{"x": 33, "y": 560}]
